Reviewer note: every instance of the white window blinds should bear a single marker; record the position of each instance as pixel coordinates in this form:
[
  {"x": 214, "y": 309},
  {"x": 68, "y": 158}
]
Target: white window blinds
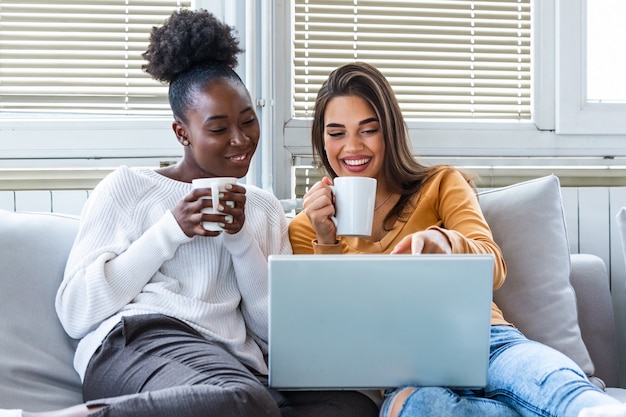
[
  {"x": 78, "y": 56},
  {"x": 446, "y": 59}
]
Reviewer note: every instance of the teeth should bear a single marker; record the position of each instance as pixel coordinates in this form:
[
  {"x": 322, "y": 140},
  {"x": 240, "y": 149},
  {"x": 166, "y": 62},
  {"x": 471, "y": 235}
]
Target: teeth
[
  {"x": 355, "y": 162},
  {"x": 239, "y": 157}
]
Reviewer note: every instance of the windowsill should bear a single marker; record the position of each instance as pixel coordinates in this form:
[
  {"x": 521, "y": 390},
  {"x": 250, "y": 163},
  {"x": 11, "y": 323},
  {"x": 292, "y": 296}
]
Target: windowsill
[
  {"x": 86, "y": 138},
  {"x": 487, "y": 176},
  {"x": 482, "y": 139}
]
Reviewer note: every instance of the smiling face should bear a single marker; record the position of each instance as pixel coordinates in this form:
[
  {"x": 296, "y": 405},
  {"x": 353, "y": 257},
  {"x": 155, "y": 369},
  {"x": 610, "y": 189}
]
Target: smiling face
[
  {"x": 353, "y": 139},
  {"x": 222, "y": 131}
]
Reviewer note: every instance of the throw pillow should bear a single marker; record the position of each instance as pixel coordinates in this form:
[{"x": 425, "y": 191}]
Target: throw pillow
[
  {"x": 528, "y": 224},
  {"x": 36, "y": 354}
]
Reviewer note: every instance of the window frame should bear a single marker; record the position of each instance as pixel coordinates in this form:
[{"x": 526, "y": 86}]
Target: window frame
[
  {"x": 574, "y": 114},
  {"x": 475, "y": 144},
  {"x": 40, "y": 140},
  {"x": 264, "y": 29}
]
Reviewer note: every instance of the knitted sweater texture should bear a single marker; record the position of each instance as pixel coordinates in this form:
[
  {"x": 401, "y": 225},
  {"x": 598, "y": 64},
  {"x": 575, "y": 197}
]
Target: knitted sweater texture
[{"x": 131, "y": 257}]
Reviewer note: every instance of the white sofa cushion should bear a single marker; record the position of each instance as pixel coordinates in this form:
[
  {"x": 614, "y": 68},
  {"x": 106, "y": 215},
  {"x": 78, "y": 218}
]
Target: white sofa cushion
[
  {"x": 528, "y": 224},
  {"x": 36, "y": 354}
]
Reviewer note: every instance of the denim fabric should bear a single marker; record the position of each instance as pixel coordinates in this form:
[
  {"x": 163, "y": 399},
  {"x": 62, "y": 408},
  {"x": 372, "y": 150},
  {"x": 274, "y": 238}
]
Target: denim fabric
[{"x": 525, "y": 378}]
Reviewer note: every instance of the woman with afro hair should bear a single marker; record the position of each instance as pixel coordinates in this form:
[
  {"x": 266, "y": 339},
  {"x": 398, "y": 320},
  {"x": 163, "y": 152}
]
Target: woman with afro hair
[{"x": 172, "y": 318}]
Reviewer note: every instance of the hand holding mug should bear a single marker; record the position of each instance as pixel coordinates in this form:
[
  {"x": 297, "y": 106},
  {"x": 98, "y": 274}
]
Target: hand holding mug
[
  {"x": 318, "y": 205},
  {"x": 214, "y": 205},
  {"x": 345, "y": 207}
]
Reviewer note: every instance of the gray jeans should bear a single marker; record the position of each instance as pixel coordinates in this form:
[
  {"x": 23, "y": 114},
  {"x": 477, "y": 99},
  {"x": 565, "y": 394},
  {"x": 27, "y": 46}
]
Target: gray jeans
[{"x": 153, "y": 365}]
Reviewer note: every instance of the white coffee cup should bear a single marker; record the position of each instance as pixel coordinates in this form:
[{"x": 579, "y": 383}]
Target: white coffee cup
[
  {"x": 355, "y": 198},
  {"x": 217, "y": 185}
]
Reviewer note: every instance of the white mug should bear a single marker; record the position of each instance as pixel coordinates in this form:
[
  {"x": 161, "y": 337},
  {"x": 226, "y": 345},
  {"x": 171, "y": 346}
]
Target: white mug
[
  {"x": 217, "y": 185},
  {"x": 355, "y": 198}
]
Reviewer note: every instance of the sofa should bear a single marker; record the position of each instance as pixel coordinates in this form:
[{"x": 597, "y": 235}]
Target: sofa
[{"x": 559, "y": 299}]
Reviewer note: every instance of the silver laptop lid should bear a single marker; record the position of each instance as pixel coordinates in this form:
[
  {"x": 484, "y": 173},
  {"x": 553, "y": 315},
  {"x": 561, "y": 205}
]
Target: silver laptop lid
[{"x": 376, "y": 321}]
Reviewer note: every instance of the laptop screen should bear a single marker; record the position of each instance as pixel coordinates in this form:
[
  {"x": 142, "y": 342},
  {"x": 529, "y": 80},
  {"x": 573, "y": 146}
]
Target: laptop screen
[{"x": 376, "y": 321}]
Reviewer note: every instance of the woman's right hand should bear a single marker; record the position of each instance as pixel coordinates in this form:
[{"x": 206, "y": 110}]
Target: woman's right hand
[{"x": 318, "y": 204}]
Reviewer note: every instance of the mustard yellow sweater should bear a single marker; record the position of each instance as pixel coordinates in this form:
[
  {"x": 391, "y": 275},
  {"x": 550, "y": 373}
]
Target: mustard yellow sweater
[{"x": 446, "y": 203}]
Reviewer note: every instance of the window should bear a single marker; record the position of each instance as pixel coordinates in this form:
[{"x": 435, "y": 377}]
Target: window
[
  {"x": 579, "y": 110},
  {"x": 72, "y": 92},
  {"x": 606, "y": 64},
  {"x": 445, "y": 59},
  {"x": 516, "y": 147},
  {"x": 80, "y": 57},
  {"x": 67, "y": 140}
]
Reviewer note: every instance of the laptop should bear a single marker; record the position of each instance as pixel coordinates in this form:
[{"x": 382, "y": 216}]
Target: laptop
[{"x": 376, "y": 321}]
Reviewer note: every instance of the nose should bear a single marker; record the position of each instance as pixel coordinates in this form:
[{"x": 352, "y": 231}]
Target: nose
[
  {"x": 239, "y": 138},
  {"x": 353, "y": 143}
]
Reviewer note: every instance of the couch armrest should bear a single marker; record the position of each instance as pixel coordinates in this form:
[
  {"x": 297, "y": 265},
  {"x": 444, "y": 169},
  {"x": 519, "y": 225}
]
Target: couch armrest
[{"x": 596, "y": 318}]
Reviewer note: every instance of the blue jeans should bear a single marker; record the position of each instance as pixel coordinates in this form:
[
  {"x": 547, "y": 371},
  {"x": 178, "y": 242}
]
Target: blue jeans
[{"x": 525, "y": 378}]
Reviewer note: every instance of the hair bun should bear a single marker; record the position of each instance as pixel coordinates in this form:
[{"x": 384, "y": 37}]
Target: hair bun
[{"x": 189, "y": 39}]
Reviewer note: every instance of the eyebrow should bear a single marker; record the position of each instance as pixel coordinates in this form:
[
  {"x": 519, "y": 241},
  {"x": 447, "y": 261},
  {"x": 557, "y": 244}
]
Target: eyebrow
[
  {"x": 361, "y": 123},
  {"x": 208, "y": 119}
]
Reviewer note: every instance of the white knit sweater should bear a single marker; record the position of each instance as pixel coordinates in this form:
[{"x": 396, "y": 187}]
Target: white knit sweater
[{"x": 131, "y": 257}]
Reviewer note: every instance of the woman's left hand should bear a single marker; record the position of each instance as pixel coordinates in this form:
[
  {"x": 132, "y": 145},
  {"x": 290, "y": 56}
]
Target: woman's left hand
[{"x": 426, "y": 241}]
